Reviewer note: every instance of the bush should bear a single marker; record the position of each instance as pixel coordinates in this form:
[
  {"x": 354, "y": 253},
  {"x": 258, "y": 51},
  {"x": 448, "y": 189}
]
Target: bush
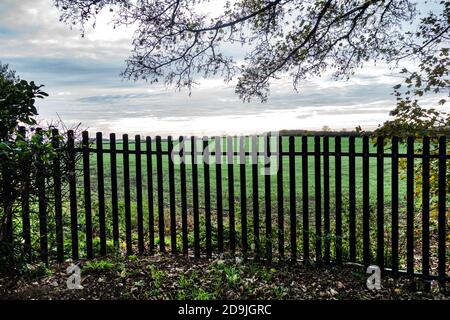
[{"x": 26, "y": 155}]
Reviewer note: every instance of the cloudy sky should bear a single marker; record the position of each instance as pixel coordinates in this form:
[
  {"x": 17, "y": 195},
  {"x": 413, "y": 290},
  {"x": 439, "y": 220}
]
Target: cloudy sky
[{"x": 82, "y": 77}]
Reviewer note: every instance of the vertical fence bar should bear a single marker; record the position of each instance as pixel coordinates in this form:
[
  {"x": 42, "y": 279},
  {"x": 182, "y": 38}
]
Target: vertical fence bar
[
  {"x": 268, "y": 200},
  {"x": 326, "y": 198},
  {"x": 442, "y": 209},
  {"x": 7, "y": 216},
  {"x": 366, "y": 207},
  {"x": 410, "y": 207},
  {"x": 352, "y": 199},
  {"x": 305, "y": 199},
  {"x": 58, "y": 197},
  {"x": 255, "y": 195},
  {"x": 87, "y": 194},
  {"x": 219, "y": 203},
  {"x": 114, "y": 197},
  {"x": 73, "y": 194},
  {"x": 9, "y": 228},
  {"x": 127, "y": 196},
  {"x": 25, "y": 197},
  {"x": 173, "y": 221},
  {"x": 101, "y": 194},
  {"x": 42, "y": 205},
  {"x": 206, "y": 180},
  {"x": 426, "y": 208},
  {"x": 230, "y": 162},
  {"x": 243, "y": 184},
  {"x": 380, "y": 202},
  {"x": 292, "y": 199},
  {"x": 280, "y": 198},
  {"x": 195, "y": 197},
  {"x": 139, "y": 209},
  {"x": 159, "y": 177},
  {"x": 394, "y": 205},
  {"x": 184, "y": 221},
  {"x": 318, "y": 199},
  {"x": 151, "y": 217},
  {"x": 338, "y": 184}
]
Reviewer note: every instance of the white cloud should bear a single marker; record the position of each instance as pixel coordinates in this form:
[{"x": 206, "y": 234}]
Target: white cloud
[{"x": 38, "y": 32}]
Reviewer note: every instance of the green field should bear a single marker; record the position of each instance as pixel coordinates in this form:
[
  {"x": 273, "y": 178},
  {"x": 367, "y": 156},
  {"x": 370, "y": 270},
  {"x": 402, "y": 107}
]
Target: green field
[{"x": 285, "y": 165}]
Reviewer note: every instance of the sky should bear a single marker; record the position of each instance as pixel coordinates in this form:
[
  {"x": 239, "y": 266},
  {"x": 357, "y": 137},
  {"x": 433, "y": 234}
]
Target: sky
[{"x": 81, "y": 75}]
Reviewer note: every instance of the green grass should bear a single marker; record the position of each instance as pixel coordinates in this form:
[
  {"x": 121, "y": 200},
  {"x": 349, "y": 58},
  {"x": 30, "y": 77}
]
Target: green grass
[{"x": 99, "y": 265}]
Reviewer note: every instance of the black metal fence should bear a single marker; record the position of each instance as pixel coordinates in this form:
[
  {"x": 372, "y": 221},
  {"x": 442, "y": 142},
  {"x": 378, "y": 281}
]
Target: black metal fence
[{"x": 331, "y": 199}]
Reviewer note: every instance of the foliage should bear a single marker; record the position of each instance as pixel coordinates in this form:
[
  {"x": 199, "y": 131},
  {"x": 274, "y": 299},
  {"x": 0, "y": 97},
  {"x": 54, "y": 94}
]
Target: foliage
[
  {"x": 98, "y": 265},
  {"x": 26, "y": 155},
  {"x": 430, "y": 79},
  {"x": 409, "y": 117},
  {"x": 17, "y": 103}
]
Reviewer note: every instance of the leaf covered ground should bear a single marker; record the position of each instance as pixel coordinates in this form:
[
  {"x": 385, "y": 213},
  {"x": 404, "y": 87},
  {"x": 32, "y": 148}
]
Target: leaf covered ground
[{"x": 177, "y": 277}]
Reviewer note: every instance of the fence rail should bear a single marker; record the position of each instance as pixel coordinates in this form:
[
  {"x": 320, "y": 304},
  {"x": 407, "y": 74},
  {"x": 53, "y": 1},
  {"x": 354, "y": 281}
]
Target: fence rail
[{"x": 331, "y": 199}]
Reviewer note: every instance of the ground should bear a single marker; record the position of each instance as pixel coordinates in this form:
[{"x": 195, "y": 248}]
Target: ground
[{"x": 178, "y": 277}]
